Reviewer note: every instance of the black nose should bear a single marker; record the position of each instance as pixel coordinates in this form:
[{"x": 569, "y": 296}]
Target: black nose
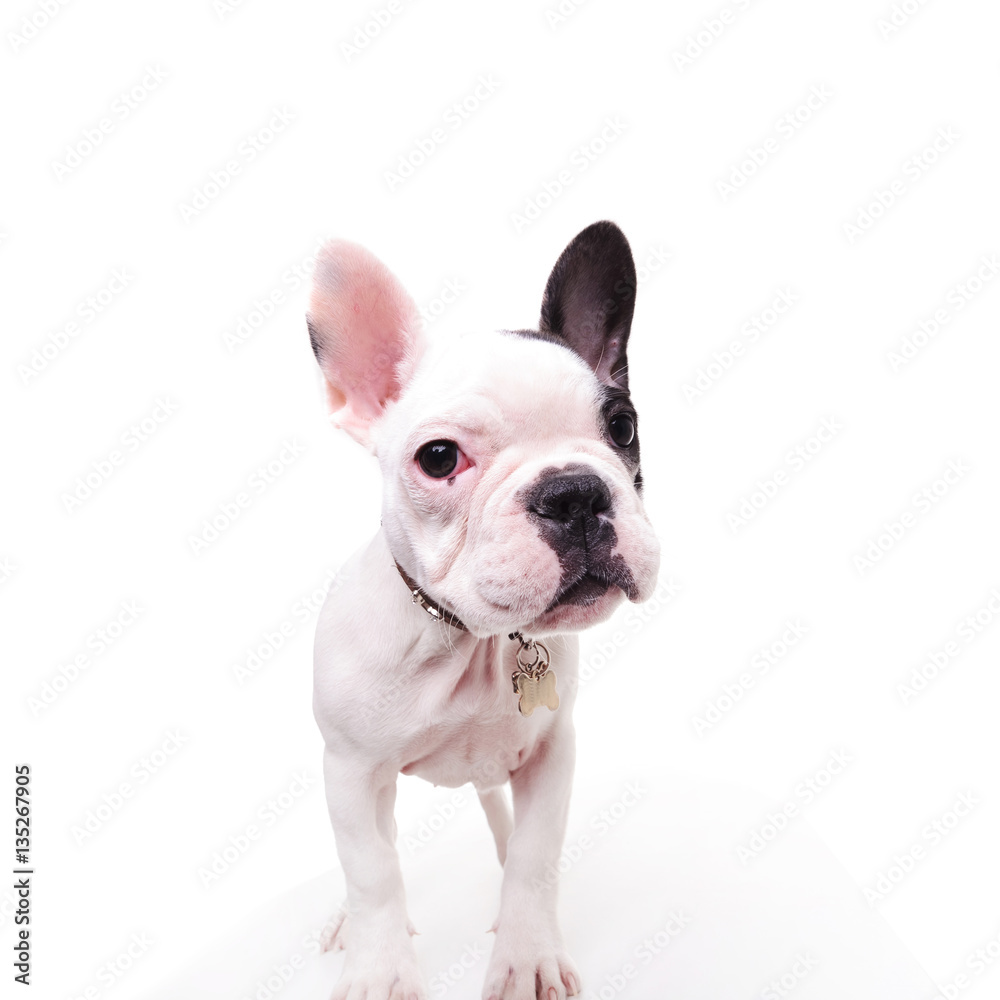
[{"x": 567, "y": 497}]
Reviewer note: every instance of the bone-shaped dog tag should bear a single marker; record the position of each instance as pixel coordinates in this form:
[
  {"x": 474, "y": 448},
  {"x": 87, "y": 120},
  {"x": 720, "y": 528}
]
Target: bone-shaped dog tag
[
  {"x": 535, "y": 691},
  {"x": 534, "y": 684}
]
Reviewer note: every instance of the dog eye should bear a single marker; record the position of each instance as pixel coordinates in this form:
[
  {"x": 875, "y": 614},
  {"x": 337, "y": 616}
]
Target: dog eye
[
  {"x": 438, "y": 458},
  {"x": 621, "y": 427}
]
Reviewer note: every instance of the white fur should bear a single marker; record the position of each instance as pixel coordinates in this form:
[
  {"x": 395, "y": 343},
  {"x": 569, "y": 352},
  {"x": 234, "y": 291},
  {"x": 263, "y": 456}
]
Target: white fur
[{"x": 397, "y": 692}]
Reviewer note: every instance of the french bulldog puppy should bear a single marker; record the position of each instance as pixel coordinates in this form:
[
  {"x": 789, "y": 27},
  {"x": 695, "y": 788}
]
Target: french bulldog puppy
[{"x": 512, "y": 518}]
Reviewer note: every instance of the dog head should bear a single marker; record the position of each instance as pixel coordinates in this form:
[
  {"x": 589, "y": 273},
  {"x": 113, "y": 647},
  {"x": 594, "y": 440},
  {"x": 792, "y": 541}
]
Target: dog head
[{"x": 512, "y": 488}]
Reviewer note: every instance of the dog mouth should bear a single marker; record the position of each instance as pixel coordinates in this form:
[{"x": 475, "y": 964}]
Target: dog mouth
[
  {"x": 593, "y": 582},
  {"x": 587, "y": 589}
]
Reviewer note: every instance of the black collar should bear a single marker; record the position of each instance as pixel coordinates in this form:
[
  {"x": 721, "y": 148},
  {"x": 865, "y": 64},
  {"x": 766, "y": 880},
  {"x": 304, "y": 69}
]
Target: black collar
[{"x": 432, "y": 608}]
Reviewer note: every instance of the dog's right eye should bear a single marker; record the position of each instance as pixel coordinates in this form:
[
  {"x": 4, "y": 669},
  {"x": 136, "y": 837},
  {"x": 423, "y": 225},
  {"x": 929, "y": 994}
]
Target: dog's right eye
[
  {"x": 438, "y": 458},
  {"x": 621, "y": 427}
]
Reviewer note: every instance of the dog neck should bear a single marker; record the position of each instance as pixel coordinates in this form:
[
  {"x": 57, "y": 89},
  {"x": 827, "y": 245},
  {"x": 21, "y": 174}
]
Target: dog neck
[
  {"x": 423, "y": 600},
  {"x": 532, "y": 681}
]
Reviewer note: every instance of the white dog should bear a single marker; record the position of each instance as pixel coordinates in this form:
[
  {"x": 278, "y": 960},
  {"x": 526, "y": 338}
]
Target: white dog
[{"x": 512, "y": 517}]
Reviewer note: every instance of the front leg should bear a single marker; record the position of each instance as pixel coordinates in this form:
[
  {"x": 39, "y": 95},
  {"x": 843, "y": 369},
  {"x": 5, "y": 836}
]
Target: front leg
[
  {"x": 529, "y": 960},
  {"x": 381, "y": 963}
]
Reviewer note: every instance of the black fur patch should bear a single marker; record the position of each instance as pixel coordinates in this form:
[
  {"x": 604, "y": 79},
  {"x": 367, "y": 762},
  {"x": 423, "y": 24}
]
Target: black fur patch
[
  {"x": 590, "y": 297},
  {"x": 584, "y": 543},
  {"x": 618, "y": 401},
  {"x": 313, "y": 338}
]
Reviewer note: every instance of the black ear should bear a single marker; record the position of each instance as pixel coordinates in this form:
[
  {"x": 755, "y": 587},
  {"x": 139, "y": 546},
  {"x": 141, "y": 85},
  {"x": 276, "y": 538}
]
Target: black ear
[{"x": 590, "y": 297}]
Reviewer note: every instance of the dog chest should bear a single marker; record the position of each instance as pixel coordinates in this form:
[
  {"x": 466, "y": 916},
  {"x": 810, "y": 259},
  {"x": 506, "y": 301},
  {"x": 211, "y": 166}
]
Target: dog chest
[{"x": 472, "y": 752}]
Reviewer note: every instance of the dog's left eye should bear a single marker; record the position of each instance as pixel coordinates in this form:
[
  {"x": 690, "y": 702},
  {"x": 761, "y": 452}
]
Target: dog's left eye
[
  {"x": 621, "y": 427},
  {"x": 439, "y": 459}
]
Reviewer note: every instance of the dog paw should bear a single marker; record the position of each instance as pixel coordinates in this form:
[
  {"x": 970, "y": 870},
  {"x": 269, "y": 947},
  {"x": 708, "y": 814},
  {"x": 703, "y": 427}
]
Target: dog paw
[
  {"x": 382, "y": 976},
  {"x": 534, "y": 973},
  {"x": 334, "y": 934}
]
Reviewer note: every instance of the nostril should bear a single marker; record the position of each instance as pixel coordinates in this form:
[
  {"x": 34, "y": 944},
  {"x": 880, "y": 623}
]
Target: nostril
[
  {"x": 569, "y": 499},
  {"x": 578, "y": 506}
]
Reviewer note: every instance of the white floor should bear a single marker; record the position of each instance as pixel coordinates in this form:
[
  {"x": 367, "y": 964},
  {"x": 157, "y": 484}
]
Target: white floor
[{"x": 788, "y": 922}]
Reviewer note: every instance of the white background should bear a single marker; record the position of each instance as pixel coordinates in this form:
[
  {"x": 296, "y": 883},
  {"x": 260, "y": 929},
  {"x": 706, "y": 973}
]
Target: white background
[{"x": 554, "y": 85}]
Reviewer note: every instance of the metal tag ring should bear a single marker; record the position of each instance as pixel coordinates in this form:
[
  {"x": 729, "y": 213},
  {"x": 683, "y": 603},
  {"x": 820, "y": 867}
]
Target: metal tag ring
[{"x": 541, "y": 657}]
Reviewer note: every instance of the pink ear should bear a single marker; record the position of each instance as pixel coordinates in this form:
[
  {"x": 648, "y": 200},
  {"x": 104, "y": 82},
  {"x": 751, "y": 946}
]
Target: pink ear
[{"x": 365, "y": 333}]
